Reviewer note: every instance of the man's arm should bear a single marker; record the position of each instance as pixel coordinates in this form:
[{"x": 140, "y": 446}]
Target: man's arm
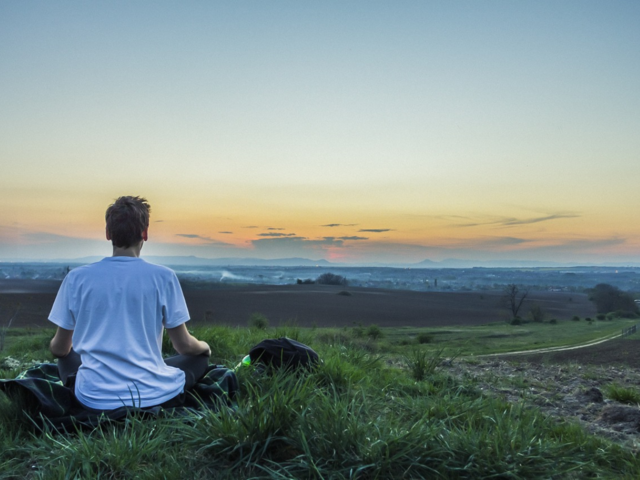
[
  {"x": 186, "y": 344},
  {"x": 60, "y": 344}
]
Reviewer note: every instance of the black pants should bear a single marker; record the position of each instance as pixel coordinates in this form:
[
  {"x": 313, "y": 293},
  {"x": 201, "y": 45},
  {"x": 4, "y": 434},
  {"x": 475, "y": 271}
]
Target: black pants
[{"x": 193, "y": 366}]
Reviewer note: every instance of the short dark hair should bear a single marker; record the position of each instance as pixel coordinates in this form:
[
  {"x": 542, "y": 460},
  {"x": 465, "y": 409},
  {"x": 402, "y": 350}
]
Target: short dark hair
[{"x": 127, "y": 218}]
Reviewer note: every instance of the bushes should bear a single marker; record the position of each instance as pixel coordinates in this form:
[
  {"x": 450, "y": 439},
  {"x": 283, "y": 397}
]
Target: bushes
[
  {"x": 425, "y": 338},
  {"x": 625, "y": 314},
  {"x": 374, "y": 332},
  {"x": 331, "y": 279},
  {"x": 258, "y": 321},
  {"x": 609, "y": 298}
]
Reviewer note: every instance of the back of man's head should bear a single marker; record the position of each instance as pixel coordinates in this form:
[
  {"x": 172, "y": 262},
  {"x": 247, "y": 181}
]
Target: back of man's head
[{"x": 127, "y": 218}]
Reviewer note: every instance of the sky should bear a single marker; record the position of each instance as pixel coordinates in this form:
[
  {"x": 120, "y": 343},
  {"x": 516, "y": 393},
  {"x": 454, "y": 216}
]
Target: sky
[{"x": 357, "y": 132}]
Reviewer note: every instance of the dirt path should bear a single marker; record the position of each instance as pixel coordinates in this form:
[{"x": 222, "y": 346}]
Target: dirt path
[{"x": 555, "y": 349}]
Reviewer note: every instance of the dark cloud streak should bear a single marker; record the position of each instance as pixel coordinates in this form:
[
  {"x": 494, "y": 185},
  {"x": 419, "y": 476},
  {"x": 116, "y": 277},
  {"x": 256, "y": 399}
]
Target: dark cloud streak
[
  {"x": 511, "y": 221},
  {"x": 209, "y": 240},
  {"x": 275, "y": 234}
]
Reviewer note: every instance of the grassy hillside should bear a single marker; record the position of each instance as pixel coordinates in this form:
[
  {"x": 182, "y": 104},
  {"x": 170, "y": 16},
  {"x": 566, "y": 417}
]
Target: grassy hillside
[{"x": 378, "y": 407}]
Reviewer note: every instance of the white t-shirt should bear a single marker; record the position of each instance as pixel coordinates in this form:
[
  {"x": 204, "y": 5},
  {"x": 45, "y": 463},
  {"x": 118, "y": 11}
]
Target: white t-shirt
[{"x": 117, "y": 309}]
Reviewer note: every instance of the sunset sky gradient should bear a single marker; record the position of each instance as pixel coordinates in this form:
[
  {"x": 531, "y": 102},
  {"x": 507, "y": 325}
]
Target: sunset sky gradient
[{"x": 357, "y": 132}]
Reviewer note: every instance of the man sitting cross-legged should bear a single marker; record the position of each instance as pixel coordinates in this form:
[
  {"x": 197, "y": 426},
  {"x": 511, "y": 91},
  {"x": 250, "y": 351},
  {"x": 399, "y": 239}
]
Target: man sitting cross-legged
[{"x": 113, "y": 313}]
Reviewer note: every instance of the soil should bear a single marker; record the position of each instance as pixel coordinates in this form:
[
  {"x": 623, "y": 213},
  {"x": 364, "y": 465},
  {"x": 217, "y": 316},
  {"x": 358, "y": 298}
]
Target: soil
[
  {"x": 319, "y": 305},
  {"x": 569, "y": 385}
]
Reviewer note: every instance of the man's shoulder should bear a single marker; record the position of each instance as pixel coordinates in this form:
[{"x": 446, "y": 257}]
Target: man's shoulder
[
  {"x": 82, "y": 270},
  {"x": 160, "y": 269}
]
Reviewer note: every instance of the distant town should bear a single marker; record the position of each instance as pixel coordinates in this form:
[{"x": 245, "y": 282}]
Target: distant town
[{"x": 568, "y": 279}]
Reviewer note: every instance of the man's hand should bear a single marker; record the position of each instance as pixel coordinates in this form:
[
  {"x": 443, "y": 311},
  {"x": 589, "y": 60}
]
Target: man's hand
[
  {"x": 60, "y": 345},
  {"x": 186, "y": 344}
]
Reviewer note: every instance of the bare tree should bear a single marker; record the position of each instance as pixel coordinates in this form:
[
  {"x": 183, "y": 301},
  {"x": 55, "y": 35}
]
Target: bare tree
[{"x": 514, "y": 298}]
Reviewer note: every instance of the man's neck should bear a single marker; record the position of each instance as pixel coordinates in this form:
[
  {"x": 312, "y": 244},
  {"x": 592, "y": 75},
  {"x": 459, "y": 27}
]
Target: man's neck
[{"x": 131, "y": 251}]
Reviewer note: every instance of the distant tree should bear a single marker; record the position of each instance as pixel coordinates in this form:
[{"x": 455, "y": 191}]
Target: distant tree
[
  {"x": 514, "y": 298},
  {"x": 331, "y": 279},
  {"x": 608, "y": 298}
]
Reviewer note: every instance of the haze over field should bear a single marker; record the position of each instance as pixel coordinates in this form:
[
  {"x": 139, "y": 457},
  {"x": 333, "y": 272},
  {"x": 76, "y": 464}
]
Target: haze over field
[{"x": 358, "y": 132}]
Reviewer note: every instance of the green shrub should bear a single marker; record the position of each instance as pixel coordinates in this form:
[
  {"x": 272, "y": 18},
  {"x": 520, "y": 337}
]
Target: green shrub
[
  {"x": 374, "y": 332},
  {"x": 516, "y": 321},
  {"x": 422, "y": 363},
  {"x": 553, "y": 321},
  {"x": 622, "y": 394},
  {"x": 357, "y": 331},
  {"x": 425, "y": 338},
  {"x": 601, "y": 316},
  {"x": 258, "y": 321},
  {"x": 331, "y": 279},
  {"x": 575, "y": 318}
]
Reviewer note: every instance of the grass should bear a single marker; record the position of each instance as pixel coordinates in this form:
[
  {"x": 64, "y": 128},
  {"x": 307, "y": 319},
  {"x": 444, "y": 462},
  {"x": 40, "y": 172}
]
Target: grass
[
  {"x": 365, "y": 412},
  {"x": 623, "y": 394},
  {"x": 501, "y": 337}
]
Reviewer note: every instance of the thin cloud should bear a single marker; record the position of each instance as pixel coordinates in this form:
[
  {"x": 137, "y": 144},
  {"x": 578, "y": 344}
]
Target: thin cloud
[
  {"x": 275, "y": 234},
  {"x": 159, "y": 221},
  {"x": 340, "y": 225},
  {"x": 274, "y": 228},
  {"x": 494, "y": 242},
  {"x": 295, "y": 242},
  {"x": 511, "y": 221},
  {"x": 226, "y": 233},
  {"x": 572, "y": 245},
  {"x": 251, "y": 226},
  {"x": 209, "y": 240},
  {"x": 537, "y": 220},
  {"x": 353, "y": 238},
  {"x": 375, "y": 230}
]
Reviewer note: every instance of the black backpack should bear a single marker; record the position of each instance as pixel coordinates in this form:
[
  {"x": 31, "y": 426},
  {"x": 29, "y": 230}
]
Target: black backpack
[{"x": 283, "y": 352}]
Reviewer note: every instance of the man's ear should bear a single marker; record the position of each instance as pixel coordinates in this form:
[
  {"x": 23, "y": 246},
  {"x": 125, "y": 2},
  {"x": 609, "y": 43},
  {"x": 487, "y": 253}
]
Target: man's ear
[
  {"x": 145, "y": 234},
  {"x": 108, "y": 235}
]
